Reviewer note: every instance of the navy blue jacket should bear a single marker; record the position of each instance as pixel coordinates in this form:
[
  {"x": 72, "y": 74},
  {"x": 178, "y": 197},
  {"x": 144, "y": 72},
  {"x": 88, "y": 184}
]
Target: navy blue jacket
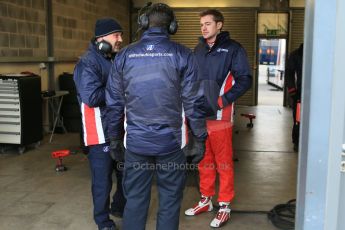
[
  {"x": 155, "y": 82},
  {"x": 293, "y": 73},
  {"x": 225, "y": 74},
  {"x": 90, "y": 77}
]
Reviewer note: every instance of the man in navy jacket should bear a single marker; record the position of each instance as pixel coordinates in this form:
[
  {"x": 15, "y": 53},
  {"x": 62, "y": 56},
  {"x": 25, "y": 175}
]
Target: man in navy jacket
[
  {"x": 225, "y": 75},
  {"x": 90, "y": 76},
  {"x": 155, "y": 82}
]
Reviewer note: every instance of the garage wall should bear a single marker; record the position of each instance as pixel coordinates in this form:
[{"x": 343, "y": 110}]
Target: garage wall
[
  {"x": 241, "y": 30},
  {"x": 74, "y": 22},
  {"x": 297, "y": 3},
  {"x": 297, "y": 28},
  {"x": 22, "y": 28},
  {"x": 23, "y": 32},
  {"x": 201, "y": 3}
]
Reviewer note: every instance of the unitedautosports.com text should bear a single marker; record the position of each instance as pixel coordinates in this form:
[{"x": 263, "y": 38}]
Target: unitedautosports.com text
[{"x": 138, "y": 55}]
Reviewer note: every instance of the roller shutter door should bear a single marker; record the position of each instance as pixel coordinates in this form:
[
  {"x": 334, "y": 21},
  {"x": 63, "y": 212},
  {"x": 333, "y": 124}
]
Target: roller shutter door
[
  {"x": 239, "y": 22},
  {"x": 297, "y": 28}
]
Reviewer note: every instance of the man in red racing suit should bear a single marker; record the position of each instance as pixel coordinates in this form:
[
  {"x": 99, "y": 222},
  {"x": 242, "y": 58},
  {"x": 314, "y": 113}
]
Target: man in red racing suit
[{"x": 225, "y": 76}]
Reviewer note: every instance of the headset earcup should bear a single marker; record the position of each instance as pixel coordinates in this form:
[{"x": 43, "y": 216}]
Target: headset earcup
[
  {"x": 143, "y": 21},
  {"x": 173, "y": 27},
  {"x": 104, "y": 46}
]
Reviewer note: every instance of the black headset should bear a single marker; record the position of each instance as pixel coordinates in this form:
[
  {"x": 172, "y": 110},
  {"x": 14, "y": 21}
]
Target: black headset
[
  {"x": 104, "y": 47},
  {"x": 144, "y": 22}
]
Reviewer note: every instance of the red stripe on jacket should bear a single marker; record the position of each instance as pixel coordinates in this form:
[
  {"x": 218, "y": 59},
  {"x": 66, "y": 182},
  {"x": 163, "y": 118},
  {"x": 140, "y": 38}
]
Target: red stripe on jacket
[
  {"x": 91, "y": 131},
  {"x": 226, "y": 113}
]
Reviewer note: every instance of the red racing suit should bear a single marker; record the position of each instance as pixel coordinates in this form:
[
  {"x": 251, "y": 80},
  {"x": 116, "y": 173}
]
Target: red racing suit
[{"x": 225, "y": 75}]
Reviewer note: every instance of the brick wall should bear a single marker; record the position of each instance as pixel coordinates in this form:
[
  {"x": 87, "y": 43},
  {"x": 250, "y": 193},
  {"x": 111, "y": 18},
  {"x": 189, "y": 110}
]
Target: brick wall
[
  {"x": 22, "y": 28},
  {"x": 74, "y": 22},
  {"x": 23, "y": 25}
]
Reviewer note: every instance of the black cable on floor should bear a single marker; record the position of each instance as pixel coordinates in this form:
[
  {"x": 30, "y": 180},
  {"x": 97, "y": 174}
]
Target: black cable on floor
[
  {"x": 216, "y": 208},
  {"x": 282, "y": 216}
]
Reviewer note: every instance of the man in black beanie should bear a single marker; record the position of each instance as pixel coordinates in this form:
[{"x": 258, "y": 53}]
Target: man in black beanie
[{"x": 90, "y": 76}]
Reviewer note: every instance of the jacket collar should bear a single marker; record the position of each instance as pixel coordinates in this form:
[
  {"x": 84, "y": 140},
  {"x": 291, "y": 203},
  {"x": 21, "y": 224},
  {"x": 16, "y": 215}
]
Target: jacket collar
[
  {"x": 221, "y": 38},
  {"x": 155, "y": 32}
]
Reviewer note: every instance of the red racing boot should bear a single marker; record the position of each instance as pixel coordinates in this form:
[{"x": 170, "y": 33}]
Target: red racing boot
[
  {"x": 223, "y": 215},
  {"x": 204, "y": 205}
]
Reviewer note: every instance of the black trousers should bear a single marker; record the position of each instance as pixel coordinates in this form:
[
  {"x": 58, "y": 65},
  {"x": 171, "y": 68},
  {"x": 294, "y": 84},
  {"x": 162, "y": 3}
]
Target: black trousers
[
  {"x": 295, "y": 128},
  {"x": 137, "y": 180}
]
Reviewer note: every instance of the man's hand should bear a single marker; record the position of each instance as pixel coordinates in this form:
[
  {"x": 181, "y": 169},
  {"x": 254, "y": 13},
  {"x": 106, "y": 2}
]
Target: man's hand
[
  {"x": 198, "y": 151},
  {"x": 117, "y": 150},
  {"x": 195, "y": 150}
]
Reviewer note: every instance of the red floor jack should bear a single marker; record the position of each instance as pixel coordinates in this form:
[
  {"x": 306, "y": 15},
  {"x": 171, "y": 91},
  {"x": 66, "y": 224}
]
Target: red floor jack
[
  {"x": 59, "y": 155},
  {"x": 250, "y": 116}
]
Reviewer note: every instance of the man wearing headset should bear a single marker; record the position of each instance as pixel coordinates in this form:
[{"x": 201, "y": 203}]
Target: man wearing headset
[
  {"x": 90, "y": 76},
  {"x": 155, "y": 82}
]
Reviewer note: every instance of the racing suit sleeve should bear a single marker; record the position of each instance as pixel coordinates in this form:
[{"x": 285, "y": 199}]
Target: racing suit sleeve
[
  {"x": 242, "y": 75},
  {"x": 193, "y": 99},
  {"x": 114, "y": 97}
]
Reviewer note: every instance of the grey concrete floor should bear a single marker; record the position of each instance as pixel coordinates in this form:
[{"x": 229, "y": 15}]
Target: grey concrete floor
[
  {"x": 34, "y": 197},
  {"x": 269, "y": 95}
]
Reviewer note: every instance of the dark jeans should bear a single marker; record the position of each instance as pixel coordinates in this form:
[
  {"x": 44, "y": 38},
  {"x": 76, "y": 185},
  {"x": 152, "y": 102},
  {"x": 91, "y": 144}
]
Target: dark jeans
[
  {"x": 137, "y": 180},
  {"x": 102, "y": 167}
]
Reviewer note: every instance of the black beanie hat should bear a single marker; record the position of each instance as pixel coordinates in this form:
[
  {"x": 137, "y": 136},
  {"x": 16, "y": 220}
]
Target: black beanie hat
[{"x": 106, "y": 26}]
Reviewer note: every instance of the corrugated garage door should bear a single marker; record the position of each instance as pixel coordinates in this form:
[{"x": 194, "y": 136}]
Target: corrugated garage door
[
  {"x": 239, "y": 22},
  {"x": 297, "y": 28}
]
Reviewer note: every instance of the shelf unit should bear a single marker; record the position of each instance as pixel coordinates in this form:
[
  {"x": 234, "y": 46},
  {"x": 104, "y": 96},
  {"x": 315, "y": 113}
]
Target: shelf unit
[{"x": 20, "y": 110}]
